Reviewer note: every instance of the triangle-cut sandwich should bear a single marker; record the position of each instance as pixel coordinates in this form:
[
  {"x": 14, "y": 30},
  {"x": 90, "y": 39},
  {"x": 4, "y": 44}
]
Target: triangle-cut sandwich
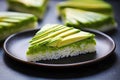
[
  {"x": 36, "y": 7},
  {"x": 99, "y": 6},
  {"x": 56, "y": 41},
  {"x": 12, "y": 22},
  {"x": 86, "y": 19}
]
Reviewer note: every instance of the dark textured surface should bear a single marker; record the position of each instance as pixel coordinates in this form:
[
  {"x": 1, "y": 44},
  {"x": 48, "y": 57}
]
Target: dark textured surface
[{"x": 109, "y": 69}]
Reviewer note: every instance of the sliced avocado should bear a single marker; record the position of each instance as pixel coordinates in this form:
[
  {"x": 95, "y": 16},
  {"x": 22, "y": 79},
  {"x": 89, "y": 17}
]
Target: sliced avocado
[
  {"x": 12, "y": 22},
  {"x": 58, "y": 38},
  {"x": 69, "y": 20},
  {"x": 67, "y": 33},
  {"x": 36, "y": 7},
  {"x": 47, "y": 27},
  {"x": 89, "y": 5},
  {"x": 86, "y": 19},
  {"x": 76, "y": 14},
  {"x": 74, "y": 38},
  {"x": 46, "y": 32},
  {"x": 6, "y": 24},
  {"x": 42, "y": 43},
  {"x": 52, "y": 35},
  {"x": 54, "y": 41}
]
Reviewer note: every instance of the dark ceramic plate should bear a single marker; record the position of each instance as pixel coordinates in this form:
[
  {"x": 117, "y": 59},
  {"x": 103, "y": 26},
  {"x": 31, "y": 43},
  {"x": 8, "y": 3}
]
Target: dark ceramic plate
[{"x": 16, "y": 45}]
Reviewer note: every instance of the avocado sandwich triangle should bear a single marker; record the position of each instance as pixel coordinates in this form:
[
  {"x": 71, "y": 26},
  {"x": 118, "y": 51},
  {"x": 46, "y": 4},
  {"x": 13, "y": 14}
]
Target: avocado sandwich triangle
[
  {"x": 12, "y": 22},
  {"x": 54, "y": 41},
  {"x": 86, "y": 19},
  {"x": 35, "y": 7}
]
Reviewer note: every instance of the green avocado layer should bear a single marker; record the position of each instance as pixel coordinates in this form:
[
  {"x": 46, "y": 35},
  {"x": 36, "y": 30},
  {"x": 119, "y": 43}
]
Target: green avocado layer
[
  {"x": 36, "y": 49},
  {"x": 12, "y": 22},
  {"x": 89, "y": 5},
  {"x": 36, "y": 7},
  {"x": 56, "y": 37},
  {"x": 86, "y": 19}
]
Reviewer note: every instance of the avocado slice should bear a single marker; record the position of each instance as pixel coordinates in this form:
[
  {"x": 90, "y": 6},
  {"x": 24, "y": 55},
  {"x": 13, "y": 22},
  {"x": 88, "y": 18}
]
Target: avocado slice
[{"x": 74, "y": 38}]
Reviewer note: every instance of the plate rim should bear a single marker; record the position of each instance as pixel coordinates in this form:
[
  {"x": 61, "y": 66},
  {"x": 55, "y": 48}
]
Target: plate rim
[{"x": 60, "y": 65}]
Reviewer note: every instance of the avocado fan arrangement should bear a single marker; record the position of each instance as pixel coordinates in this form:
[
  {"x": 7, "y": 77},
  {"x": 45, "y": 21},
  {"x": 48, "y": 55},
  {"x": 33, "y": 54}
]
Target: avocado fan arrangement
[
  {"x": 82, "y": 14},
  {"x": 58, "y": 41},
  {"x": 54, "y": 41}
]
